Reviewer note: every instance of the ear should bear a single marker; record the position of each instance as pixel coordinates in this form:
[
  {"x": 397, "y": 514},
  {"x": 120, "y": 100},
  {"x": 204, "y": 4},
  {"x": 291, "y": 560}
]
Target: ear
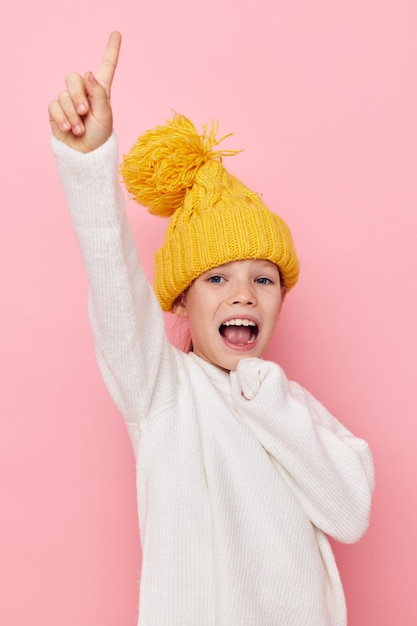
[{"x": 180, "y": 306}]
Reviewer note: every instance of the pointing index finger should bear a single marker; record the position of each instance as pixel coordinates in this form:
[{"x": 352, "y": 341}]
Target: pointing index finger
[{"x": 108, "y": 65}]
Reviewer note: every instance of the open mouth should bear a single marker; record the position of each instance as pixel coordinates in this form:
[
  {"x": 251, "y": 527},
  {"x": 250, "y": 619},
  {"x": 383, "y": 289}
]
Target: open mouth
[{"x": 239, "y": 331}]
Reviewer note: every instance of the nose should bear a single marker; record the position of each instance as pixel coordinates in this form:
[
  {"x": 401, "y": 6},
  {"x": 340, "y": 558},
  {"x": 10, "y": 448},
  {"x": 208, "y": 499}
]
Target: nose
[{"x": 244, "y": 293}]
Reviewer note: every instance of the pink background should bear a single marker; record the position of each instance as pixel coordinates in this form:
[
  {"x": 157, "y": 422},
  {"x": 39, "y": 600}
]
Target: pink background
[{"x": 322, "y": 96}]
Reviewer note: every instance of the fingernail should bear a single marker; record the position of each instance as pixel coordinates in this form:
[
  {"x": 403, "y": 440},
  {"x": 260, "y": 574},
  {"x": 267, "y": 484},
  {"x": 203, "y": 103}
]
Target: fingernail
[
  {"x": 81, "y": 108},
  {"x": 77, "y": 129},
  {"x": 65, "y": 126}
]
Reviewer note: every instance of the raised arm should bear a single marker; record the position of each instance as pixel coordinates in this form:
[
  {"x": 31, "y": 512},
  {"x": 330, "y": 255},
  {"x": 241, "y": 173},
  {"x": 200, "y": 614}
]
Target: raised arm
[
  {"x": 82, "y": 117},
  {"x": 132, "y": 350}
]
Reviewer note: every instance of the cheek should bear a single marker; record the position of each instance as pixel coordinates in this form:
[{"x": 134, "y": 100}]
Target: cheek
[
  {"x": 275, "y": 313},
  {"x": 196, "y": 320}
]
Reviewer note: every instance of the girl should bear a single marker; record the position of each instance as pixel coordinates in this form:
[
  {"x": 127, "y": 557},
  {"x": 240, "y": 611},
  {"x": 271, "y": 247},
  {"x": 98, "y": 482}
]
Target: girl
[{"x": 241, "y": 474}]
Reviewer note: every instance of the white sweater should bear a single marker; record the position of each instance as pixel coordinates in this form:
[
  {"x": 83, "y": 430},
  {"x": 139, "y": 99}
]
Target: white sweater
[{"x": 240, "y": 476}]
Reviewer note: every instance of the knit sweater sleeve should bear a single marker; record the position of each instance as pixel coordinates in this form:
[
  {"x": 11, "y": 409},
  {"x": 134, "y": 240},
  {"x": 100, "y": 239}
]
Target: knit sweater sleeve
[
  {"x": 327, "y": 467},
  {"x": 132, "y": 349}
]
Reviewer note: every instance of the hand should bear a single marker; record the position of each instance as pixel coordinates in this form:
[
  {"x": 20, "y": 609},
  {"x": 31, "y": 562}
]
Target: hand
[{"x": 82, "y": 116}]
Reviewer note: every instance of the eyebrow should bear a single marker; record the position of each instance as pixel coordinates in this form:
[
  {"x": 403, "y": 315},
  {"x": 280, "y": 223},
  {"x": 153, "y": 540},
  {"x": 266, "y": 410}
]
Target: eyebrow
[{"x": 264, "y": 265}]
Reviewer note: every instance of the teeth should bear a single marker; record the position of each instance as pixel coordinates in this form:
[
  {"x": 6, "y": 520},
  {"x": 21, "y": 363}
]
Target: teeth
[{"x": 239, "y": 322}]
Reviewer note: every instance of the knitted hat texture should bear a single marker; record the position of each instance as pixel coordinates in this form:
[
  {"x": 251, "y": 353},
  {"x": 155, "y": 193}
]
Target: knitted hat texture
[{"x": 215, "y": 219}]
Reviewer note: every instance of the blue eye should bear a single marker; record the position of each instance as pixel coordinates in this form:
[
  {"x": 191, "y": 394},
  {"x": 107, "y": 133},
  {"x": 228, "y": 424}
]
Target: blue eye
[
  {"x": 263, "y": 280},
  {"x": 215, "y": 279}
]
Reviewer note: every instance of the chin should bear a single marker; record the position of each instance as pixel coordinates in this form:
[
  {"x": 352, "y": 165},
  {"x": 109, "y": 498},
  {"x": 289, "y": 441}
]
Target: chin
[{"x": 230, "y": 364}]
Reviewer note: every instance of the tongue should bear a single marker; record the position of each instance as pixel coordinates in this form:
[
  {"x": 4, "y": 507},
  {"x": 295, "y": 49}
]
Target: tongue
[{"x": 237, "y": 334}]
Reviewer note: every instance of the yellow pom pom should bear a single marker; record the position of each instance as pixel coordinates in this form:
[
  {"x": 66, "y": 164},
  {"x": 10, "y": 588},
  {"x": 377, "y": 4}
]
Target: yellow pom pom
[{"x": 163, "y": 163}]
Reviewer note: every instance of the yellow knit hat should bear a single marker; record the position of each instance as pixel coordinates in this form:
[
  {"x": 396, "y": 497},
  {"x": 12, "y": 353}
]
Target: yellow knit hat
[{"x": 174, "y": 171}]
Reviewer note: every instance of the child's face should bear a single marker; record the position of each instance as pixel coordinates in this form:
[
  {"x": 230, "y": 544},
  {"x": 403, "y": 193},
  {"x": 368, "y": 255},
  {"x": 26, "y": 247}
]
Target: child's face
[{"x": 232, "y": 311}]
